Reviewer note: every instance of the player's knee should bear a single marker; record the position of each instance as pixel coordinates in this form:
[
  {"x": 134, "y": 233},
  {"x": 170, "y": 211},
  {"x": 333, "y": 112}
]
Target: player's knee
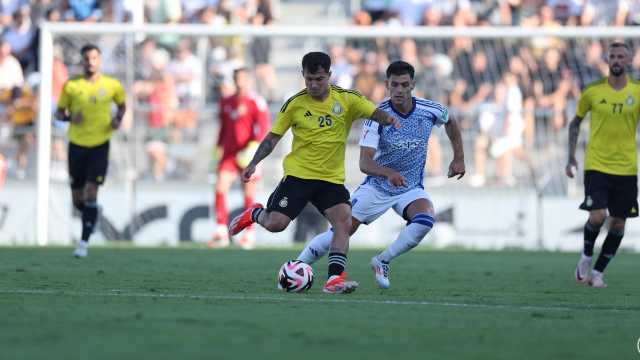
[
  {"x": 275, "y": 224},
  {"x": 222, "y": 187},
  {"x": 90, "y": 195},
  {"x": 276, "y": 227},
  {"x": 596, "y": 218},
  {"x": 617, "y": 226}
]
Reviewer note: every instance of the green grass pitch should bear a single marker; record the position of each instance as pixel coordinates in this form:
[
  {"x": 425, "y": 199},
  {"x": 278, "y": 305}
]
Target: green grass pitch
[{"x": 190, "y": 303}]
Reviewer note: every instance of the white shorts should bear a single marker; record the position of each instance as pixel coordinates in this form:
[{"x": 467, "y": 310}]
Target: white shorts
[{"x": 368, "y": 204}]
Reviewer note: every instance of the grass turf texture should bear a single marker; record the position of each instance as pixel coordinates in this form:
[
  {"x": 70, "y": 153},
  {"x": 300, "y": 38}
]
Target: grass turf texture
[{"x": 124, "y": 303}]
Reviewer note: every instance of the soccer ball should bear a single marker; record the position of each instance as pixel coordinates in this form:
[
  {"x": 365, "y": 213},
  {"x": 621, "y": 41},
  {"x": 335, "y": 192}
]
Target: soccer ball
[{"x": 295, "y": 276}]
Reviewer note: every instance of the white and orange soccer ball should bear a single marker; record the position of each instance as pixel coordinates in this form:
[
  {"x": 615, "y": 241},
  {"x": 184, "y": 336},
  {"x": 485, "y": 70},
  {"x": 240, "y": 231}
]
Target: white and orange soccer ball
[{"x": 295, "y": 276}]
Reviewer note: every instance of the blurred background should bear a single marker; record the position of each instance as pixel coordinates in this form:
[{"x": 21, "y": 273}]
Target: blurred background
[{"x": 513, "y": 98}]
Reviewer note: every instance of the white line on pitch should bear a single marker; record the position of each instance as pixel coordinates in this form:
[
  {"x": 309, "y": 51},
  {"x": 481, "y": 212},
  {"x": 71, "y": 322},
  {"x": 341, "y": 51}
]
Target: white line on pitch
[{"x": 297, "y": 298}]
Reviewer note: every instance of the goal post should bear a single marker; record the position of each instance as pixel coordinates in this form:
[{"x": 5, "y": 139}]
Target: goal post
[{"x": 52, "y": 31}]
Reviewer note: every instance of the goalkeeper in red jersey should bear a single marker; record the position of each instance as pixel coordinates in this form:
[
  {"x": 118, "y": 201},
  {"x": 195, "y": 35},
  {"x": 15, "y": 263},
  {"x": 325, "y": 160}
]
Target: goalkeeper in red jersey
[{"x": 244, "y": 121}]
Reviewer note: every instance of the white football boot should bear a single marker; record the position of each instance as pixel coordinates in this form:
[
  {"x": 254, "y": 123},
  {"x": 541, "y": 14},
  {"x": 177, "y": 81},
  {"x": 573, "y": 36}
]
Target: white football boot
[
  {"x": 596, "y": 279},
  {"x": 381, "y": 272},
  {"x": 220, "y": 238},
  {"x": 582, "y": 269},
  {"x": 82, "y": 249},
  {"x": 248, "y": 239}
]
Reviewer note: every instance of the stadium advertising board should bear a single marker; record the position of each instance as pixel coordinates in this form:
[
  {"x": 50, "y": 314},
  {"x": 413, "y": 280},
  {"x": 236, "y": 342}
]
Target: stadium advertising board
[{"x": 168, "y": 214}]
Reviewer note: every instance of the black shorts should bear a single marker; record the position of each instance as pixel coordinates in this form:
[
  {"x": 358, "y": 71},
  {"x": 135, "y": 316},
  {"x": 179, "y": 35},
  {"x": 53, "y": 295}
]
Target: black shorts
[
  {"x": 88, "y": 164},
  {"x": 292, "y": 194},
  {"x": 617, "y": 193}
]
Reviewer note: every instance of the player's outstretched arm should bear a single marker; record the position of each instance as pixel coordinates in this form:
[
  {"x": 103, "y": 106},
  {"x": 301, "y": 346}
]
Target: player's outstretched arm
[
  {"x": 383, "y": 118},
  {"x": 266, "y": 147},
  {"x": 370, "y": 167},
  {"x": 574, "y": 131},
  {"x": 457, "y": 167}
]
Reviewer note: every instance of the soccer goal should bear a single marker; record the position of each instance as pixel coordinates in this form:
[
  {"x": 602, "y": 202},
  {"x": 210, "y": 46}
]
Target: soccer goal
[{"x": 513, "y": 90}]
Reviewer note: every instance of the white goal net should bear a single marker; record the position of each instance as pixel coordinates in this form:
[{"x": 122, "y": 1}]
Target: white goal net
[{"x": 512, "y": 89}]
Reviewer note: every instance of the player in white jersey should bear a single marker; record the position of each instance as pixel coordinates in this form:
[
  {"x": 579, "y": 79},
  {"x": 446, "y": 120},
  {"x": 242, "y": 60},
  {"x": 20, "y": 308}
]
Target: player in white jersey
[{"x": 394, "y": 161}]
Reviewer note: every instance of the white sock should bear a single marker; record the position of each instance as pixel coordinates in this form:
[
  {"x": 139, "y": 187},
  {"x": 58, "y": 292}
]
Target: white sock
[
  {"x": 585, "y": 257},
  {"x": 408, "y": 238},
  {"x": 316, "y": 248}
]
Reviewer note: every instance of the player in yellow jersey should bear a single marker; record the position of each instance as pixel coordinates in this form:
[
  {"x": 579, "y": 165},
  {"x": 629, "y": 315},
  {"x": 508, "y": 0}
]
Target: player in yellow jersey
[
  {"x": 86, "y": 103},
  {"x": 611, "y": 165},
  {"x": 320, "y": 117}
]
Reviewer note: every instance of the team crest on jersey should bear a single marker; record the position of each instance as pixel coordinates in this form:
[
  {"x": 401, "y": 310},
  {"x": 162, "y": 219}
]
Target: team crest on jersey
[
  {"x": 284, "y": 202},
  {"x": 630, "y": 101},
  {"x": 336, "y": 108}
]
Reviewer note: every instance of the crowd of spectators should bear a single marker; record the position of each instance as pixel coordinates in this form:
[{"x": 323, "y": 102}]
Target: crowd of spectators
[
  {"x": 512, "y": 96},
  {"x": 170, "y": 80}
]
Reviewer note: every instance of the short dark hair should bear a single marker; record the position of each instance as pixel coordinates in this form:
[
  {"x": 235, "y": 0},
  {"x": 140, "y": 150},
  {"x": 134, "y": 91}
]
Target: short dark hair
[
  {"x": 88, "y": 47},
  {"x": 616, "y": 44},
  {"x": 313, "y": 61},
  {"x": 400, "y": 67}
]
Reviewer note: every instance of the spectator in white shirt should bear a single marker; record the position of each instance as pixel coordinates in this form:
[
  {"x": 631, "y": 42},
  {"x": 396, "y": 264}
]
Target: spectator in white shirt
[{"x": 10, "y": 69}]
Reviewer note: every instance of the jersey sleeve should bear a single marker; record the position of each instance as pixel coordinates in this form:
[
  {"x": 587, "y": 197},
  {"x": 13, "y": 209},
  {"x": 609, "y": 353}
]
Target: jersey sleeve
[
  {"x": 64, "y": 102},
  {"x": 118, "y": 93},
  {"x": 584, "y": 104},
  {"x": 360, "y": 107},
  {"x": 442, "y": 116},
  {"x": 283, "y": 121},
  {"x": 370, "y": 134}
]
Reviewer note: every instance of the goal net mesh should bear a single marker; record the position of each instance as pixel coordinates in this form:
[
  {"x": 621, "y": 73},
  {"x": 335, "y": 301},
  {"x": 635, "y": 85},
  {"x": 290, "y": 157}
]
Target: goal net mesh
[{"x": 513, "y": 98}]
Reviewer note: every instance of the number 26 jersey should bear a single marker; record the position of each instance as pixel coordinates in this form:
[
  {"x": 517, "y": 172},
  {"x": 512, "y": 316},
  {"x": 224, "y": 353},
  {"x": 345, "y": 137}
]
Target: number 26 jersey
[{"x": 320, "y": 130}]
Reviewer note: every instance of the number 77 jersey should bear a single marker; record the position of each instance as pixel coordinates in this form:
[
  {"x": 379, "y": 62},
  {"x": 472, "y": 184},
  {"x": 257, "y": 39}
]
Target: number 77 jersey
[
  {"x": 320, "y": 130},
  {"x": 612, "y": 133}
]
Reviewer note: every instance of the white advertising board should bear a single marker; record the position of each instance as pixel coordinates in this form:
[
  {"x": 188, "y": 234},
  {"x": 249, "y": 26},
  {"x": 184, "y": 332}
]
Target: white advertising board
[{"x": 167, "y": 214}]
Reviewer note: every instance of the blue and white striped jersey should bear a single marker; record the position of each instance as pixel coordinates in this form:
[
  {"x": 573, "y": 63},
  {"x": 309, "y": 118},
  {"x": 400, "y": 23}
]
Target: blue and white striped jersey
[{"x": 404, "y": 149}]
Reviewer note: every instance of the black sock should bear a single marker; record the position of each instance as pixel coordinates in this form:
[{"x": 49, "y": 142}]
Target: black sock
[
  {"x": 590, "y": 234},
  {"x": 609, "y": 248},
  {"x": 337, "y": 263},
  {"x": 255, "y": 214},
  {"x": 89, "y": 217}
]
